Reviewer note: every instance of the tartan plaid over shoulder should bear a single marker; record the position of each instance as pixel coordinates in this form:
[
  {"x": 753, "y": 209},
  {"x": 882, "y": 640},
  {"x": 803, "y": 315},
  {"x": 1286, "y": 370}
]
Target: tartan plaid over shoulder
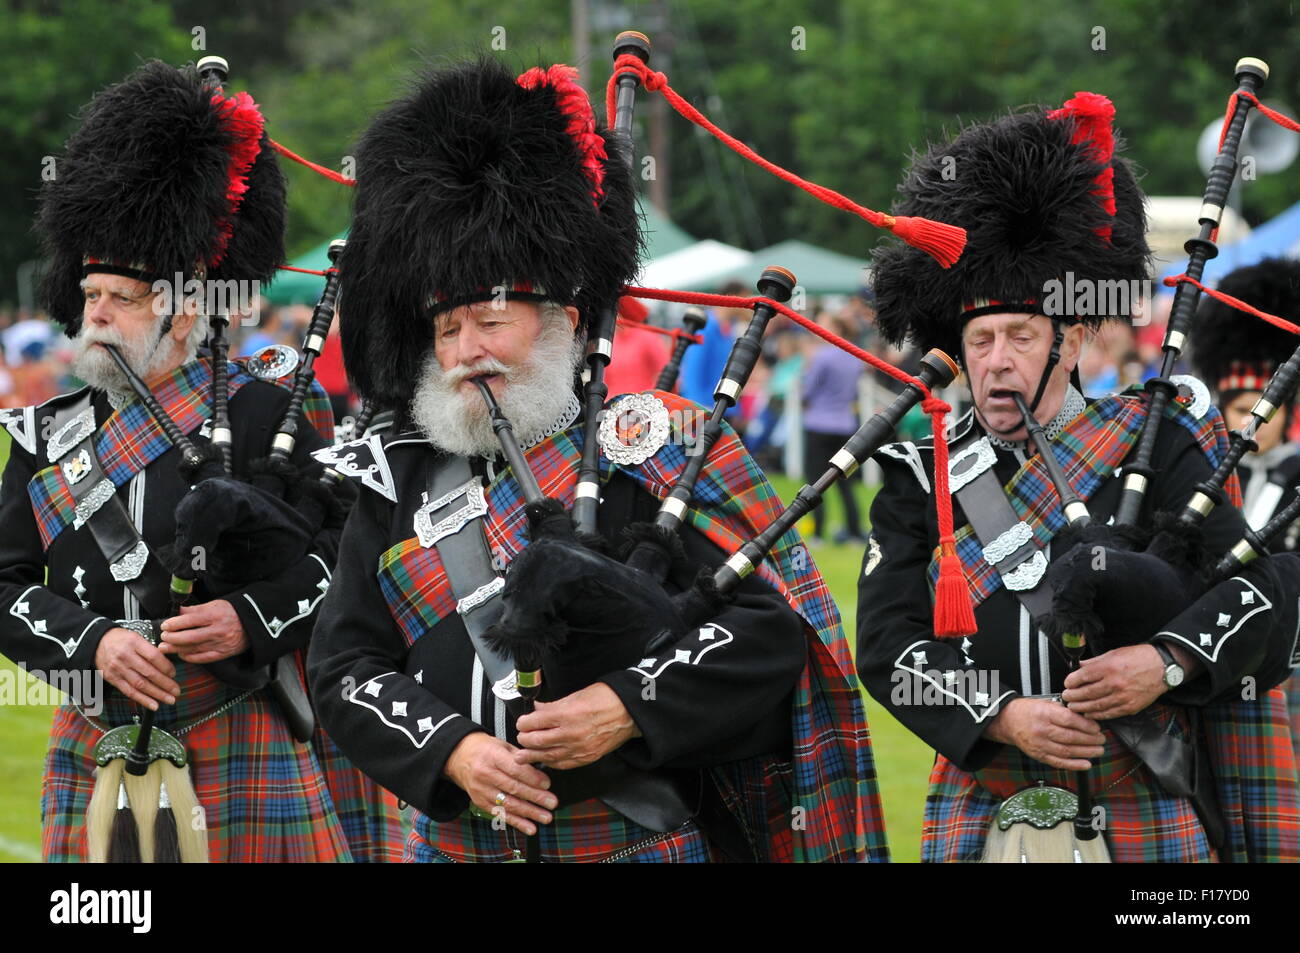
[
  {"x": 1089, "y": 449},
  {"x": 834, "y": 772},
  {"x": 131, "y": 439}
]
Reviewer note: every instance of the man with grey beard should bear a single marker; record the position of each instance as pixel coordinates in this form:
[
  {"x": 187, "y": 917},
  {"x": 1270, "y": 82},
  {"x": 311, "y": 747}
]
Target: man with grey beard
[
  {"x": 533, "y": 393},
  {"x": 143, "y": 204},
  {"x": 136, "y": 329},
  {"x": 495, "y": 219}
]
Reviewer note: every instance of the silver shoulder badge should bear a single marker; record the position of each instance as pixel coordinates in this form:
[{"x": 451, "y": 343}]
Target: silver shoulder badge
[
  {"x": 362, "y": 460},
  {"x": 272, "y": 362},
  {"x": 633, "y": 429},
  {"x": 908, "y": 453},
  {"x": 1197, "y": 399}
]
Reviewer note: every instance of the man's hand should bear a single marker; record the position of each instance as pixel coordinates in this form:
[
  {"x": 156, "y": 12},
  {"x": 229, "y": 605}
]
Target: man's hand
[
  {"x": 576, "y": 730},
  {"x": 136, "y": 668},
  {"x": 1049, "y": 733},
  {"x": 1120, "y": 682},
  {"x": 207, "y": 632},
  {"x": 485, "y": 767}
]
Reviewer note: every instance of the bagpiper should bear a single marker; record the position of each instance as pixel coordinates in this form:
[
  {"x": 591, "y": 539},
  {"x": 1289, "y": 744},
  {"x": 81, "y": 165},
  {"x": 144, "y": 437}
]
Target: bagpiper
[
  {"x": 167, "y": 188},
  {"x": 1055, "y": 223},
  {"x": 494, "y": 220}
]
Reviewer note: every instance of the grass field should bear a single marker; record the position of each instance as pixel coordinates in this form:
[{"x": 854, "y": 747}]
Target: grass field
[{"x": 902, "y": 761}]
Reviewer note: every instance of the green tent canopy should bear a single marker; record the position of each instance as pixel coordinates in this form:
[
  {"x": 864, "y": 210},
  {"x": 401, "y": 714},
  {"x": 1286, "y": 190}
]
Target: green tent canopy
[
  {"x": 818, "y": 270},
  {"x": 662, "y": 237},
  {"x": 292, "y": 287}
]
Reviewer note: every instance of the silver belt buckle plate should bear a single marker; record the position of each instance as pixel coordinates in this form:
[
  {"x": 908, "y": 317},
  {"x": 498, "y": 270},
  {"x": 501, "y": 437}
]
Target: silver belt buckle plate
[{"x": 429, "y": 532}]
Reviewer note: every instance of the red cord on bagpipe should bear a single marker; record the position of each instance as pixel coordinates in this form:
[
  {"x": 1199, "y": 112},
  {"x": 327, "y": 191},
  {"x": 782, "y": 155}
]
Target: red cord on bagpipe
[
  {"x": 941, "y": 241},
  {"x": 309, "y": 271},
  {"x": 1286, "y": 122},
  {"x": 674, "y": 333},
  {"x": 742, "y": 301},
  {"x": 953, "y": 615},
  {"x": 319, "y": 169},
  {"x": 1232, "y": 302}
]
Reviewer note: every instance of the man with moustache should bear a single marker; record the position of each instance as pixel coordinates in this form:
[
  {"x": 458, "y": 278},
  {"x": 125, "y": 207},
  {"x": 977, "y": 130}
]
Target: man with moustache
[
  {"x": 164, "y": 177},
  {"x": 1044, "y": 197},
  {"x": 494, "y": 218}
]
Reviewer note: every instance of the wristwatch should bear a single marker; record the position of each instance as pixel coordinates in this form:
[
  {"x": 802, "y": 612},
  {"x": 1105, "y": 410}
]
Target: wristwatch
[{"x": 1174, "y": 673}]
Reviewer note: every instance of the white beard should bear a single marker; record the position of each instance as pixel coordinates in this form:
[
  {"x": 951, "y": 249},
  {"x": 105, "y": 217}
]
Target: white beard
[
  {"x": 94, "y": 366},
  {"x": 533, "y": 397}
]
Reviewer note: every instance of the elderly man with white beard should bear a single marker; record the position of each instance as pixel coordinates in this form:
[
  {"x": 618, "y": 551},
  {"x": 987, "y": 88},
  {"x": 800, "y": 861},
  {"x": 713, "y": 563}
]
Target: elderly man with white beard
[
  {"x": 92, "y": 483},
  {"x": 494, "y": 218}
]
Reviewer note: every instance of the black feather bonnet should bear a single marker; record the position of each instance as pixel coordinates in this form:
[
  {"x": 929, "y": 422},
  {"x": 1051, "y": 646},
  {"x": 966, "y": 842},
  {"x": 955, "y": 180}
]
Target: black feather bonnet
[
  {"x": 163, "y": 175},
  {"x": 479, "y": 183},
  {"x": 1042, "y": 196},
  {"x": 1232, "y": 350}
]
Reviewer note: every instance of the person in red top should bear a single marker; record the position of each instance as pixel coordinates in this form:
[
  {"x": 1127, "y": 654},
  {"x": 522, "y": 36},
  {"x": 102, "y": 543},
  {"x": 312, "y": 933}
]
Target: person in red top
[
  {"x": 331, "y": 374},
  {"x": 639, "y": 355}
]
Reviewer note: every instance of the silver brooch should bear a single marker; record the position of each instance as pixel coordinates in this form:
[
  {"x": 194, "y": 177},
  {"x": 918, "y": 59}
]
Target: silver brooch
[
  {"x": 76, "y": 466},
  {"x": 1026, "y": 575},
  {"x": 429, "y": 532},
  {"x": 1007, "y": 542},
  {"x": 480, "y": 595},
  {"x": 1197, "y": 400},
  {"x": 89, "y": 504},
  {"x": 633, "y": 429},
  {"x": 272, "y": 362}
]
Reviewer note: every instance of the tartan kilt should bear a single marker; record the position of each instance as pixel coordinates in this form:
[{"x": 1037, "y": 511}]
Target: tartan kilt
[
  {"x": 1254, "y": 761},
  {"x": 264, "y": 796},
  {"x": 759, "y": 793},
  {"x": 1292, "y": 688},
  {"x": 1143, "y": 823},
  {"x": 371, "y": 820},
  {"x": 372, "y": 824},
  {"x": 588, "y": 832}
]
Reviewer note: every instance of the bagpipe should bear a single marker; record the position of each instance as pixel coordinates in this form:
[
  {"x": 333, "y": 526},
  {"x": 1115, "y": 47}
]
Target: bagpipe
[
  {"x": 245, "y": 528},
  {"x": 693, "y": 321},
  {"x": 1153, "y": 574},
  {"x": 1250, "y": 74},
  {"x": 573, "y": 610}
]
